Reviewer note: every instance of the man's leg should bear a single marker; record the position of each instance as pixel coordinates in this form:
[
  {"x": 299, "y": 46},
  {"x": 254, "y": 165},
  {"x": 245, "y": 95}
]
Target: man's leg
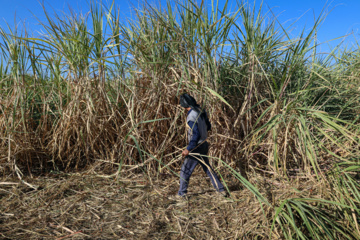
[
  {"x": 186, "y": 170},
  {"x": 212, "y": 175},
  {"x": 209, "y": 170}
]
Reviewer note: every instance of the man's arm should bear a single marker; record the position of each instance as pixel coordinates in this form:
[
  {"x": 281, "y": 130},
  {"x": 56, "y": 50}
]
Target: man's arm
[{"x": 195, "y": 137}]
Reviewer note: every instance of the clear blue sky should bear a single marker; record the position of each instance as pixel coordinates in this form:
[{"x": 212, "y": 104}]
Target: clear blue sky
[{"x": 343, "y": 19}]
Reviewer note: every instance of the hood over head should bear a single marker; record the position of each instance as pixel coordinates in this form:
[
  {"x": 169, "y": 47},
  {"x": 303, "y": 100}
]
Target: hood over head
[{"x": 187, "y": 101}]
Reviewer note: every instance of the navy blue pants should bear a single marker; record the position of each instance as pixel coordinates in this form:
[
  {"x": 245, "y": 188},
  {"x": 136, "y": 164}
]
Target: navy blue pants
[{"x": 189, "y": 165}]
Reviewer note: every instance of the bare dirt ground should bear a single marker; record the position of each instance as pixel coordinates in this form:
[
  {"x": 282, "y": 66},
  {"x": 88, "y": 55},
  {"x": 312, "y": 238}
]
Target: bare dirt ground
[{"x": 84, "y": 206}]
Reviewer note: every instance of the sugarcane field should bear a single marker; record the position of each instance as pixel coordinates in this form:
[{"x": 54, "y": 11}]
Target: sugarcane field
[{"x": 186, "y": 119}]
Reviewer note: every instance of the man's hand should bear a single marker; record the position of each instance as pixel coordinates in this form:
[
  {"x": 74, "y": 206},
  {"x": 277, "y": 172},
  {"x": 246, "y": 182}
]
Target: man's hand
[{"x": 185, "y": 153}]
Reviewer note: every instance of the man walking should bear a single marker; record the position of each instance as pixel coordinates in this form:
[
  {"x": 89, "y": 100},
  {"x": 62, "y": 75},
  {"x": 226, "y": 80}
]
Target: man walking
[{"x": 196, "y": 152}]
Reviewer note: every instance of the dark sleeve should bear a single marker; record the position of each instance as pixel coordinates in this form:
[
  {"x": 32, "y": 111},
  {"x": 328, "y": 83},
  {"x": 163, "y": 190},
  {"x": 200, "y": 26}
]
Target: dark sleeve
[{"x": 195, "y": 137}]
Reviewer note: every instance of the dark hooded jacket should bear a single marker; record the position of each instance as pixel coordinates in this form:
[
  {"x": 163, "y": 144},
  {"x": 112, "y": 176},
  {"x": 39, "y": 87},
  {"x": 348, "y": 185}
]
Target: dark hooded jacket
[{"x": 197, "y": 121}]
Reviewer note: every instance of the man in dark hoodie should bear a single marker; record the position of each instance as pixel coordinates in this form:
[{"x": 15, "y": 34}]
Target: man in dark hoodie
[{"x": 196, "y": 152}]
